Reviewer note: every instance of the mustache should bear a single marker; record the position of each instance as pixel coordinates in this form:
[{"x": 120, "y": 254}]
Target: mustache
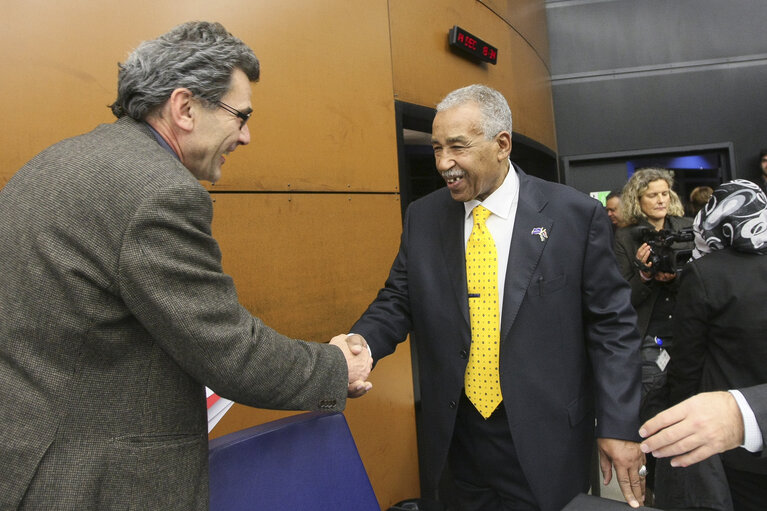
[{"x": 452, "y": 173}]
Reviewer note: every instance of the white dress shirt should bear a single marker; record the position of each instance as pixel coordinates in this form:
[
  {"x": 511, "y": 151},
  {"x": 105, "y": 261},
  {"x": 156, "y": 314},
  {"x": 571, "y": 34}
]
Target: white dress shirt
[
  {"x": 502, "y": 203},
  {"x": 752, "y": 434}
]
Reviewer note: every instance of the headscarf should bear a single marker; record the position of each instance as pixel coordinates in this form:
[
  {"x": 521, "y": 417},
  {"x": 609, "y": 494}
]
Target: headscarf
[{"x": 735, "y": 216}]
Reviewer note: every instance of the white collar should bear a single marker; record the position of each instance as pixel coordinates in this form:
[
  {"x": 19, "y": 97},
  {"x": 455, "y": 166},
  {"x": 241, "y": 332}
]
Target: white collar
[{"x": 501, "y": 200}]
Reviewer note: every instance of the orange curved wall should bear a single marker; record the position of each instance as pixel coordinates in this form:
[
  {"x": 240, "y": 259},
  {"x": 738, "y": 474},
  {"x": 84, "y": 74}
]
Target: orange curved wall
[{"x": 323, "y": 138}]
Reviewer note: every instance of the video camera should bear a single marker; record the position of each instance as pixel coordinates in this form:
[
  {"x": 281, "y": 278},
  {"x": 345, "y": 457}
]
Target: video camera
[{"x": 663, "y": 256}]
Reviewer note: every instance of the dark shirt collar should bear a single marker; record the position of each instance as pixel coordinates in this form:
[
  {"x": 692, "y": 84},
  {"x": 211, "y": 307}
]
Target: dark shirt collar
[{"x": 162, "y": 141}]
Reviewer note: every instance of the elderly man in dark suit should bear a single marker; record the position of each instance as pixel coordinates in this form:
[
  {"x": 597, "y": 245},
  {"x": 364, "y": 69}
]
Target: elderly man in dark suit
[
  {"x": 564, "y": 350},
  {"x": 114, "y": 310}
]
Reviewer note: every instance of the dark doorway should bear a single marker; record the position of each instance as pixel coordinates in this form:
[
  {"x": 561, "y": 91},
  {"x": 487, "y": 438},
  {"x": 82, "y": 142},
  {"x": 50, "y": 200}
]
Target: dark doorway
[{"x": 708, "y": 165}]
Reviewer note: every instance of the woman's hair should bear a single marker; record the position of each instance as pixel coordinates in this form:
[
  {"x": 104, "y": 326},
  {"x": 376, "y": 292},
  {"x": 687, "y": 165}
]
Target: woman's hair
[
  {"x": 199, "y": 56},
  {"x": 495, "y": 111},
  {"x": 631, "y": 211}
]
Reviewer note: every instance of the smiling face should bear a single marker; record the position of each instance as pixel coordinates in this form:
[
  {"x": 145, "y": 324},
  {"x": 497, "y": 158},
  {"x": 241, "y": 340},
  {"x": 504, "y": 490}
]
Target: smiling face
[
  {"x": 472, "y": 166},
  {"x": 654, "y": 202},
  {"x": 217, "y": 132}
]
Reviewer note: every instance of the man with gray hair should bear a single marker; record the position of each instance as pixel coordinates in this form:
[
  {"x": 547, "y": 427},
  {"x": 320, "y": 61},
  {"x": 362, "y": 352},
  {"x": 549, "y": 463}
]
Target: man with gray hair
[
  {"x": 522, "y": 324},
  {"x": 115, "y": 309}
]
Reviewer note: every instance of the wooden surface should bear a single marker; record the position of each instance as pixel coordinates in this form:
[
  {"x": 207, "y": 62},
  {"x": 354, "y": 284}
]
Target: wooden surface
[
  {"x": 426, "y": 69},
  {"x": 323, "y": 124},
  {"x": 308, "y": 265}
]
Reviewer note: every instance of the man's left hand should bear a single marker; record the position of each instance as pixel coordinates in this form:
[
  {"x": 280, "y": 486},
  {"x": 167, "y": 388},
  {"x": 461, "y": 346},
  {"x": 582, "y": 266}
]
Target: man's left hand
[{"x": 627, "y": 458}]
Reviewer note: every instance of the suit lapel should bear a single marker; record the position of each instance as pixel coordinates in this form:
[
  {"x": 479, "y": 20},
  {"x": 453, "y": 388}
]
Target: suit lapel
[
  {"x": 526, "y": 248},
  {"x": 451, "y": 231}
]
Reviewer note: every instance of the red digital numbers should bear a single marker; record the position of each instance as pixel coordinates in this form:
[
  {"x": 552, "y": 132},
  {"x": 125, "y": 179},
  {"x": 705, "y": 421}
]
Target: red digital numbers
[
  {"x": 467, "y": 41},
  {"x": 459, "y": 38},
  {"x": 490, "y": 52}
]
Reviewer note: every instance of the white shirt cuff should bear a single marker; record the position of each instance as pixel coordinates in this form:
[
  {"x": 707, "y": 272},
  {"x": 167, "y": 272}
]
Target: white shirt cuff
[{"x": 752, "y": 434}]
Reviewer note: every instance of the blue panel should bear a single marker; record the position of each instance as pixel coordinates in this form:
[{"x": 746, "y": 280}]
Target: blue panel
[{"x": 307, "y": 461}]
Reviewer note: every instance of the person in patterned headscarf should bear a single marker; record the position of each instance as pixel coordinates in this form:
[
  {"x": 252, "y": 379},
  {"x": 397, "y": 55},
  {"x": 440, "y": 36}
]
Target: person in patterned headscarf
[
  {"x": 720, "y": 325},
  {"x": 735, "y": 216}
]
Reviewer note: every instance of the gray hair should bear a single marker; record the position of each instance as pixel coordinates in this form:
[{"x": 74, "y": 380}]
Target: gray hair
[
  {"x": 198, "y": 55},
  {"x": 495, "y": 111}
]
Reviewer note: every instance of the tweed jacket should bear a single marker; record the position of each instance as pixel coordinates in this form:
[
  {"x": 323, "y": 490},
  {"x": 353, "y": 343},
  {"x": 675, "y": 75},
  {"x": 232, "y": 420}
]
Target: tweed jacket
[{"x": 114, "y": 314}]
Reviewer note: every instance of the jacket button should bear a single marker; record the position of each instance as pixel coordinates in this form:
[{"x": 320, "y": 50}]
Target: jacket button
[
  {"x": 452, "y": 404},
  {"x": 464, "y": 353}
]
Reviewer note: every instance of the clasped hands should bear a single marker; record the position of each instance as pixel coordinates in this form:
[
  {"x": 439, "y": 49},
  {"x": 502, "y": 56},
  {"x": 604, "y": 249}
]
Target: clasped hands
[{"x": 358, "y": 361}]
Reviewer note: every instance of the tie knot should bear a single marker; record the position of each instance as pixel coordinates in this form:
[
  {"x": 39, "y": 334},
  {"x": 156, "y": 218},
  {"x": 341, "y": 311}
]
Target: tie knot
[{"x": 480, "y": 214}]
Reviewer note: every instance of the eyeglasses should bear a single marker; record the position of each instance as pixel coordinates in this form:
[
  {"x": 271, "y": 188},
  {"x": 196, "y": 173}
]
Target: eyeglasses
[{"x": 243, "y": 116}]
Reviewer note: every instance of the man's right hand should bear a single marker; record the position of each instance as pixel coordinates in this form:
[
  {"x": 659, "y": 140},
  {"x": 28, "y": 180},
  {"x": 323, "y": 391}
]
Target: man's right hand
[
  {"x": 358, "y": 361},
  {"x": 693, "y": 430}
]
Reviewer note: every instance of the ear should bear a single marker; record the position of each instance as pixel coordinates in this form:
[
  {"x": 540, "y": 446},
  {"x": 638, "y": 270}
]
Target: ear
[
  {"x": 182, "y": 108},
  {"x": 504, "y": 145}
]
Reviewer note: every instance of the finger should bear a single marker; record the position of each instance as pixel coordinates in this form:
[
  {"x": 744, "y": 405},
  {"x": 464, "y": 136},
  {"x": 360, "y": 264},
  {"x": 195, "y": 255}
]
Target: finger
[
  {"x": 672, "y": 440},
  {"x": 359, "y": 388},
  {"x": 637, "y": 485},
  {"x": 607, "y": 468},
  {"x": 662, "y": 420},
  {"x": 339, "y": 341},
  {"x": 681, "y": 446},
  {"x": 692, "y": 457},
  {"x": 356, "y": 343},
  {"x": 356, "y": 339},
  {"x": 625, "y": 483}
]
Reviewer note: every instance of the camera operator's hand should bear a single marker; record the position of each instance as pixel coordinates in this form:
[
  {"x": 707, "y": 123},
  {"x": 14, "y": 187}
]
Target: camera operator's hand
[
  {"x": 643, "y": 255},
  {"x": 664, "y": 277}
]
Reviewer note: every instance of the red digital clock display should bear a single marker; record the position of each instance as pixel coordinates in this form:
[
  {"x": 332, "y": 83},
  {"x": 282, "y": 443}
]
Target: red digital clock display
[{"x": 472, "y": 45}]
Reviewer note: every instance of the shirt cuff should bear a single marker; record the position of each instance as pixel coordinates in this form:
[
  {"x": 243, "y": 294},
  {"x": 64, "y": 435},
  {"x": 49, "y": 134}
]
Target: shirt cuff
[{"x": 752, "y": 434}]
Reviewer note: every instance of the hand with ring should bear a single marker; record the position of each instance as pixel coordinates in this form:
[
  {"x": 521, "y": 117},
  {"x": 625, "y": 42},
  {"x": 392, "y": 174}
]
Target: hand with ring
[{"x": 627, "y": 461}]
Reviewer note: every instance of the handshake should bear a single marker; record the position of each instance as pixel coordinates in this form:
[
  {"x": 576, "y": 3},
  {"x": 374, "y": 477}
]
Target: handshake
[{"x": 358, "y": 361}]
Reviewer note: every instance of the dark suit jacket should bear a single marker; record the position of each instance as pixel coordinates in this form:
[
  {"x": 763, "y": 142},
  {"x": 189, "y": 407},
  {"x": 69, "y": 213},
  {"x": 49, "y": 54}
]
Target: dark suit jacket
[
  {"x": 720, "y": 332},
  {"x": 569, "y": 346},
  {"x": 114, "y": 312}
]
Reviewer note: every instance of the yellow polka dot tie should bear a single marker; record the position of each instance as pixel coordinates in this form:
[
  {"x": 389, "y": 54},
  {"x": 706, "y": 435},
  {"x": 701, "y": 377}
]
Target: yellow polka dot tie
[{"x": 482, "y": 380}]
